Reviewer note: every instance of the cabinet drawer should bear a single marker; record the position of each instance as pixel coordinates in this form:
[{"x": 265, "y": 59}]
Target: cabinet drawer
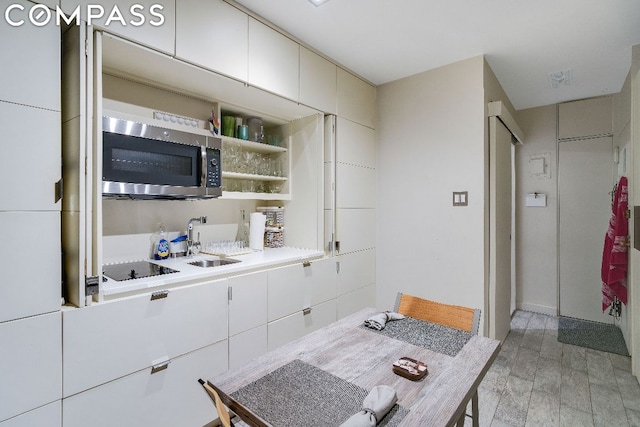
[
  {"x": 247, "y": 307},
  {"x": 28, "y": 291},
  {"x": 246, "y": 346},
  {"x": 170, "y": 397},
  {"x": 295, "y": 287},
  {"x": 112, "y": 339},
  {"x": 299, "y": 324},
  {"x": 49, "y": 415},
  {"x": 31, "y": 360}
]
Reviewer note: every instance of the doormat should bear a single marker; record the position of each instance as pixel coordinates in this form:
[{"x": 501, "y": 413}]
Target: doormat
[{"x": 594, "y": 335}]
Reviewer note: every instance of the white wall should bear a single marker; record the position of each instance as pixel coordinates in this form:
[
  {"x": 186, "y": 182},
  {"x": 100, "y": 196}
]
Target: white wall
[
  {"x": 430, "y": 142},
  {"x": 536, "y": 227}
]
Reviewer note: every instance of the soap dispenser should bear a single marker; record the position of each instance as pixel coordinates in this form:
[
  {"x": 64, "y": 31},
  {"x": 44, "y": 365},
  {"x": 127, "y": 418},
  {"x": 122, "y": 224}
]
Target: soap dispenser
[{"x": 159, "y": 244}]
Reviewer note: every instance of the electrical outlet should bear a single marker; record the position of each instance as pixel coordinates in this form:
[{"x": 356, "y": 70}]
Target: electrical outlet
[{"x": 460, "y": 198}]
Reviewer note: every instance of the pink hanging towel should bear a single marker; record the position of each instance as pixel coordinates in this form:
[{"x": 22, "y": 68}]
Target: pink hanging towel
[{"x": 615, "y": 252}]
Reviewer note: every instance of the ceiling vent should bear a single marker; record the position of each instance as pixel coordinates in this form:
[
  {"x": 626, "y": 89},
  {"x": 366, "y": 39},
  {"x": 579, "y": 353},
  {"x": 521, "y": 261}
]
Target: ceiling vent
[{"x": 560, "y": 78}]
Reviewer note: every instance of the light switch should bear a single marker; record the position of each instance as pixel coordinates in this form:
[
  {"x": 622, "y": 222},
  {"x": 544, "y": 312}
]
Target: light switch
[{"x": 460, "y": 198}]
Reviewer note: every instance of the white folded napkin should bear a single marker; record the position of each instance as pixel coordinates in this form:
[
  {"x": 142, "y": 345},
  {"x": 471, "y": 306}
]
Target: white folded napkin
[
  {"x": 375, "y": 406},
  {"x": 379, "y": 320}
]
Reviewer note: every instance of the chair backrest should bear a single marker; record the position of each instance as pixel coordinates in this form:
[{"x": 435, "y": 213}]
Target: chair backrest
[{"x": 455, "y": 316}]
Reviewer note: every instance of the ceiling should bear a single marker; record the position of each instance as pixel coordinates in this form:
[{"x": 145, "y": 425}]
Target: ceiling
[{"x": 522, "y": 40}]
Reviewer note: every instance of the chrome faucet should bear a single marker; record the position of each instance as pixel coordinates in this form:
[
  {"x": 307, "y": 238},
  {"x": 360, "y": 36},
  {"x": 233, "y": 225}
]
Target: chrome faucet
[{"x": 190, "y": 242}]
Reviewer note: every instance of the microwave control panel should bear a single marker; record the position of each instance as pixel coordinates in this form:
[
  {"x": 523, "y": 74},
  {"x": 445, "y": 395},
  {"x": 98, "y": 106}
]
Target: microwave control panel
[{"x": 213, "y": 168}]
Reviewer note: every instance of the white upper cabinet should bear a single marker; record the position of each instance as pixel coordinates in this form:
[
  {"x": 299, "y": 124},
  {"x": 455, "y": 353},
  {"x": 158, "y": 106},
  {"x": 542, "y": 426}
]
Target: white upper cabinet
[
  {"x": 148, "y": 22},
  {"x": 213, "y": 34},
  {"x": 273, "y": 60},
  {"x": 356, "y": 99},
  {"x": 318, "y": 80},
  {"x": 30, "y": 61}
]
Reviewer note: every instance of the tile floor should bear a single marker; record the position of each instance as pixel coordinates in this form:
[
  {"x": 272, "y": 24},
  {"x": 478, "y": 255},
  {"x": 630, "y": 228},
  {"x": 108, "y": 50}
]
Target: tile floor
[{"x": 538, "y": 381}]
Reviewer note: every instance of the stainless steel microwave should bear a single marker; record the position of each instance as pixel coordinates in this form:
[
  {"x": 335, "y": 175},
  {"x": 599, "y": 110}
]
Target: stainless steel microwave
[{"x": 142, "y": 161}]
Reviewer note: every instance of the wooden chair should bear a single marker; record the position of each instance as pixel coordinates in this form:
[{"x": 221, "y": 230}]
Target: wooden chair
[{"x": 454, "y": 316}]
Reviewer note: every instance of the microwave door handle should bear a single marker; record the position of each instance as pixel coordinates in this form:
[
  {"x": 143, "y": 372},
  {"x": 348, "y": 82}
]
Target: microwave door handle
[{"x": 203, "y": 164}]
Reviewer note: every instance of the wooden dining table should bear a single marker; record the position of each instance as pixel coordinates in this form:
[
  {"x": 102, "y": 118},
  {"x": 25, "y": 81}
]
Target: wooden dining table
[{"x": 365, "y": 357}]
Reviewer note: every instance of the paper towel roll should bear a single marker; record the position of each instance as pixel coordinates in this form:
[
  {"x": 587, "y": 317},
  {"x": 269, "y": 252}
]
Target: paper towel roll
[{"x": 257, "y": 222}]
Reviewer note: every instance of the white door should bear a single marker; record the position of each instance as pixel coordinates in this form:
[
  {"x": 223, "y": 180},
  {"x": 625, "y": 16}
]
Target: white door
[
  {"x": 585, "y": 179},
  {"x": 500, "y": 178}
]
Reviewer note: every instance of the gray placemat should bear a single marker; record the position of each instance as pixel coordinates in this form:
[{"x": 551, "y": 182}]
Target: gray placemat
[
  {"x": 299, "y": 394},
  {"x": 595, "y": 335},
  {"x": 439, "y": 338}
]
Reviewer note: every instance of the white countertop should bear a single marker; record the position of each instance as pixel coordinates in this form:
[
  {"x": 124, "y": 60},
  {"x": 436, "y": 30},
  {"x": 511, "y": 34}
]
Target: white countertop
[{"x": 259, "y": 260}]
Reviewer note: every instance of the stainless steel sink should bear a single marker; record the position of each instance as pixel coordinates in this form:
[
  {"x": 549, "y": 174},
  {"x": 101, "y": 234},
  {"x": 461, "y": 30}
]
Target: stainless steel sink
[{"x": 214, "y": 262}]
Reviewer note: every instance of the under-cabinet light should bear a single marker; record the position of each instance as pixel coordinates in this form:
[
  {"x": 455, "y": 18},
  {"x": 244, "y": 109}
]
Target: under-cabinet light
[{"x": 318, "y": 2}]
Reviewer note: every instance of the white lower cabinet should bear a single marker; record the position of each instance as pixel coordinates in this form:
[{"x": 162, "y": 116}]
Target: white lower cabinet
[
  {"x": 299, "y": 324},
  {"x": 48, "y": 415},
  {"x": 170, "y": 397},
  {"x": 356, "y": 300},
  {"x": 31, "y": 360},
  {"x": 247, "y": 345},
  {"x": 296, "y": 287},
  {"x": 247, "y": 318},
  {"x": 110, "y": 340}
]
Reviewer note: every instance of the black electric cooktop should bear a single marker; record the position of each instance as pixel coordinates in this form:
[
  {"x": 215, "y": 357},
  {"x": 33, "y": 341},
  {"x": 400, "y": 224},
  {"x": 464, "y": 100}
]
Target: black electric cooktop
[{"x": 134, "y": 270}]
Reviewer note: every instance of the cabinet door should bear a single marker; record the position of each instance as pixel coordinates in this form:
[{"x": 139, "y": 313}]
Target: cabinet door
[
  {"x": 273, "y": 60},
  {"x": 247, "y": 307},
  {"x": 355, "y": 229},
  {"x": 293, "y": 288},
  {"x": 30, "y": 66},
  {"x": 318, "y": 80},
  {"x": 157, "y": 30},
  {"x": 213, "y": 34},
  {"x": 354, "y": 301},
  {"x": 355, "y": 187},
  {"x": 112, "y": 339},
  {"x": 355, "y": 143},
  {"x": 31, "y": 159},
  {"x": 247, "y": 345},
  {"x": 357, "y": 269},
  {"x": 356, "y": 99},
  {"x": 299, "y": 324},
  {"x": 30, "y": 284},
  {"x": 49, "y": 415},
  {"x": 31, "y": 360},
  {"x": 170, "y": 397}
]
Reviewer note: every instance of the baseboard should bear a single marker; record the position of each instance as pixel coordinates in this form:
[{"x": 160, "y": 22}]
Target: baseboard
[{"x": 536, "y": 308}]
